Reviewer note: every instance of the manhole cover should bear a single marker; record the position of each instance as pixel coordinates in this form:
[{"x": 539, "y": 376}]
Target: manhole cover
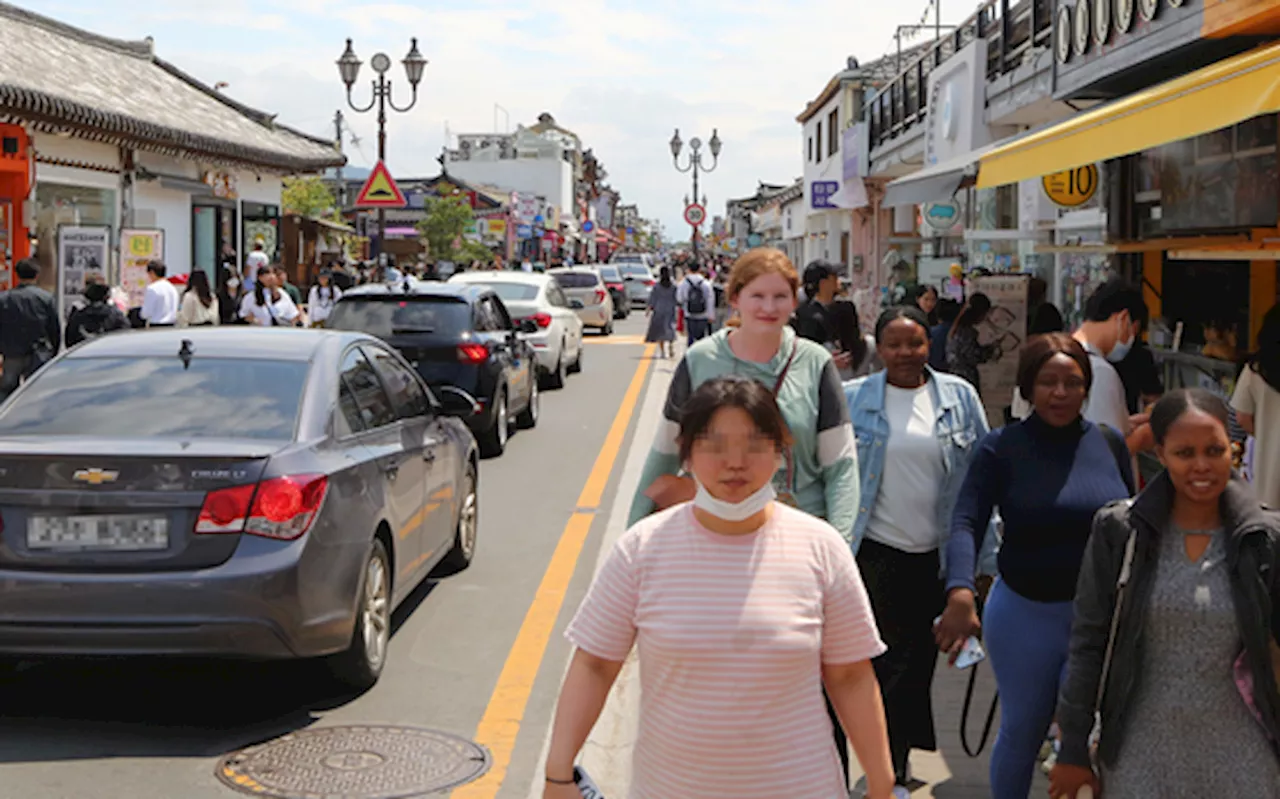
[{"x": 355, "y": 763}]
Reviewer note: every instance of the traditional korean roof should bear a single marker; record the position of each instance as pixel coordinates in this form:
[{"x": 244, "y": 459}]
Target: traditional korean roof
[{"x": 60, "y": 78}]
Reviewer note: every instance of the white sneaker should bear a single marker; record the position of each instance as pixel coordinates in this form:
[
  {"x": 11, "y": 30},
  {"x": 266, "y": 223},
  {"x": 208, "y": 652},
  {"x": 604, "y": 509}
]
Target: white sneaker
[{"x": 900, "y": 792}]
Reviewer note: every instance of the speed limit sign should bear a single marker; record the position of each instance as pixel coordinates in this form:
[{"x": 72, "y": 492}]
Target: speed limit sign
[{"x": 695, "y": 214}]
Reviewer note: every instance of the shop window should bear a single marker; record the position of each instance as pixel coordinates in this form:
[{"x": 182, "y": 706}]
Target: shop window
[
  {"x": 1207, "y": 296},
  {"x": 57, "y": 205},
  {"x": 996, "y": 208}
]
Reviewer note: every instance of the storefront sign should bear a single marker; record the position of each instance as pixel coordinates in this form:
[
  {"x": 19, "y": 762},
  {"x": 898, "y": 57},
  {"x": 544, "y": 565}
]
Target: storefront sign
[
  {"x": 81, "y": 251},
  {"x": 223, "y": 184},
  {"x": 1073, "y": 187},
  {"x": 820, "y": 193},
  {"x": 940, "y": 217},
  {"x": 137, "y": 249}
]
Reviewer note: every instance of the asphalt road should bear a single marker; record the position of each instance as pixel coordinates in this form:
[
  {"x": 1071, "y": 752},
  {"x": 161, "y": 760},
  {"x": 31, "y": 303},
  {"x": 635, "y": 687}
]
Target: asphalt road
[{"x": 144, "y": 728}]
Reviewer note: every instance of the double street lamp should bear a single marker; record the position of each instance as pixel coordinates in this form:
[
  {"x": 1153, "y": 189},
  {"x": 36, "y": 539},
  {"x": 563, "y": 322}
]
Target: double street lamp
[
  {"x": 349, "y": 68},
  {"x": 694, "y": 164}
]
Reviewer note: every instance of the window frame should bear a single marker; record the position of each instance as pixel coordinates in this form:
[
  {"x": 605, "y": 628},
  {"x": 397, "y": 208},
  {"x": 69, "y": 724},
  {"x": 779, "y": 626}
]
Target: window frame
[
  {"x": 833, "y": 124},
  {"x": 342, "y": 378},
  {"x": 414, "y": 380}
]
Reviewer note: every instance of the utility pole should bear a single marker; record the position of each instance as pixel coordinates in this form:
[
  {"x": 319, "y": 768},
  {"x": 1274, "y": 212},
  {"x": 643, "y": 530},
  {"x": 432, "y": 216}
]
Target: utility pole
[{"x": 342, "y": 183}]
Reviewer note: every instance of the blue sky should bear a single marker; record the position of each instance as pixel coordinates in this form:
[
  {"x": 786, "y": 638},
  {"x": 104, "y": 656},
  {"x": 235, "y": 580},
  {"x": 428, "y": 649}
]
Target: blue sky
[{"x": 620, "y": 74}]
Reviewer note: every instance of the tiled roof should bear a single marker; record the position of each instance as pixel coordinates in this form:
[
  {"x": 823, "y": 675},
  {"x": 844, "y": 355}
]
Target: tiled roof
[{"x": 56, "y": 77}]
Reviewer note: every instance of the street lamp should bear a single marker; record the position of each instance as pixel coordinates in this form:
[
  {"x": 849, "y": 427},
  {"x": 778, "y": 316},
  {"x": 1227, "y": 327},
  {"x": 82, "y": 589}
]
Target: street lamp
[
  {"x": 349, "y": 69},
  {"x": 694, "y": 164}
]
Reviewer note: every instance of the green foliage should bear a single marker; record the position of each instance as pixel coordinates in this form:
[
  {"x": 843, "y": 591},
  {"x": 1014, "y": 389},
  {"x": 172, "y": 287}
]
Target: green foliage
[
  {"x": 307, "y": 196},
  {"x": 447, "y": 219}
]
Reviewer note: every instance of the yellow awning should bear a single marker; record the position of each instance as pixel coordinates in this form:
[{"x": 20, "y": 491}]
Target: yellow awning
[{"x": 1222, "y": 94}]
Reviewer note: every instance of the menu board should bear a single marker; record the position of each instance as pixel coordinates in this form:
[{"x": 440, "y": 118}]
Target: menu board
[{"x": 137, "y": 249}]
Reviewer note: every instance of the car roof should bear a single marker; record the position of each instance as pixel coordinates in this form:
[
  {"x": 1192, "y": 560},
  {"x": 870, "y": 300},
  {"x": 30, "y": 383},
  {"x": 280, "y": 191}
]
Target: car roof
[
  {"x": 418, "y": 288},
  {"x": 531, "y": 278},
  {"x": 229, "y": 341}
]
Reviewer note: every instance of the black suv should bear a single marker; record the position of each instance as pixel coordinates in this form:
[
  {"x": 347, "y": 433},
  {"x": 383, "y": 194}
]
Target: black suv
[{"x": 454, "y": 334}]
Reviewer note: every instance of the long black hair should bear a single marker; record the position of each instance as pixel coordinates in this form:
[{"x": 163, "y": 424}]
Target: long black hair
[
  {"x": 664, "y": 276},
  {"x": 199, "y": 283},
  {"x": 1266, "y": 361},
  {"x": 974, "y": 311}
]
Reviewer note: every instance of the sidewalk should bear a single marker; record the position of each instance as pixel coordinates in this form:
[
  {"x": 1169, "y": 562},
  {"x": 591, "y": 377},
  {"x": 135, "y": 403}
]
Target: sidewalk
[{"x": 946, "y": 774}]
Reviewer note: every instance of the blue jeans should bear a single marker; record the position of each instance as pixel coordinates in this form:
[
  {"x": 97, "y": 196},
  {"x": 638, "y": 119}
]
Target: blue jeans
[
  {"x": 1027, "y": 642},
  {"x": 697, "y": 329}
]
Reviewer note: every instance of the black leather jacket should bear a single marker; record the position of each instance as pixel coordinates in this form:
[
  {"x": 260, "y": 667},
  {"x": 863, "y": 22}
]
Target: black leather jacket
[
  {"x": 93, "y": 320},
  {"x": 27, "y": 314},
  {"x": 1252, "y": 557}
]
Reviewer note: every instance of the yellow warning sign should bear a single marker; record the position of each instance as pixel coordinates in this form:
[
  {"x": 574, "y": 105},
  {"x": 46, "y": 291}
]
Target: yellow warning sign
[{"x": 380, "y": 190}]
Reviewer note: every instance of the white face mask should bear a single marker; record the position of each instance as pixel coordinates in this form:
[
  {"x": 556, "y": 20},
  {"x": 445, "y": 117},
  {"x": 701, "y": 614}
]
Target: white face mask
[
  {"x": 1121, "y": 350},
  {"x": 734, "y": 511}
]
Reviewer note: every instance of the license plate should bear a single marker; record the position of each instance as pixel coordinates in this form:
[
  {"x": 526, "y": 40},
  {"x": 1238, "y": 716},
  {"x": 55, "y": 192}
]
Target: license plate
[{"x": 113, "y": 533}]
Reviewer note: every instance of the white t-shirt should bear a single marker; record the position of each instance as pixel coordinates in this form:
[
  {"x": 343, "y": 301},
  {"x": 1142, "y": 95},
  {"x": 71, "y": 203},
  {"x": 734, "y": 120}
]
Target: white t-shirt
[
  {"x": 905, "y": 513},
  {"x": 256, "y": 260},
  {"x": 697, "y": 283},
  {"x": 282, "y": 310},
  {"x": 320, "y": 305},
  {"x": 160, "y": 303},
  {"x": 1106, "y": 404},
  {"x": 1255, "y": 396}
]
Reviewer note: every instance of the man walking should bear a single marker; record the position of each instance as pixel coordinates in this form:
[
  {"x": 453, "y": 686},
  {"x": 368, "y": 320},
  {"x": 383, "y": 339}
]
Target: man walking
[
  {"x": 160, "y": 303},
  {"x": 698, "y": 299},
  {"x": 30, "y": 333},
  {"x": 1107, "y": 335}
]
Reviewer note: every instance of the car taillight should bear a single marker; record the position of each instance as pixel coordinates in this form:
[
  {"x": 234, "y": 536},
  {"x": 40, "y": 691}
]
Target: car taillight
[
  {"x": 649, "y": 281},
  {"x": 473, "y": 353},
  {"x": 282, "y": 507},
  {"x": 541, "y": 319},
  {"x": 617, "y": 287},
  {"x": 600, "y": 295}
]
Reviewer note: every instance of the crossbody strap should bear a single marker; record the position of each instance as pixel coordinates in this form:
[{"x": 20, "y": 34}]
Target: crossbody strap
[{"x": 1126, "y": 568}]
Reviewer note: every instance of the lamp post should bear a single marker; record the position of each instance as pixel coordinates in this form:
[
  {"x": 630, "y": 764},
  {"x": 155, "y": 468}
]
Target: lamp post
[
  {"x": 349, "y": 68},
  {"x": 695, "y": 165}
]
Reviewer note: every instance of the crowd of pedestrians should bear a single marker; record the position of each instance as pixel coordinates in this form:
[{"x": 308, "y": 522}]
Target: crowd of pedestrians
[{"x": 824, "y": 517}]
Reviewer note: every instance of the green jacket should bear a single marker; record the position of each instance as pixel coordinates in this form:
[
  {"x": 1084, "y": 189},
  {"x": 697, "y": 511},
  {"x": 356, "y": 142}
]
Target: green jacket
[{"x": 813, "y": 404}]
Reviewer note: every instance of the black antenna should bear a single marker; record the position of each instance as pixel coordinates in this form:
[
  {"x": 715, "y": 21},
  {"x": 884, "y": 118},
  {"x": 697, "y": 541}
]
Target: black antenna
[{"x": 185, "y": 352}]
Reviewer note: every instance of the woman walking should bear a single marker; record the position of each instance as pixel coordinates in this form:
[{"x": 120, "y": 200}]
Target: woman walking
[
  {"x": 964, "y": 352},
  {"x": 917, "y": 431},
  {"x": 1048, "y": 474},
  {"x": 267, "y": 305},
  {"x": 199, "y": 305},
  {"x": 322, "y": 297},
  {"x": 1179, "y": 658},
  {"x": 1257, "y": 404},
  {"x": 925, "y": 298},
  {"x": 742, "y": 610},
  {"x": 662, "y": 314}
]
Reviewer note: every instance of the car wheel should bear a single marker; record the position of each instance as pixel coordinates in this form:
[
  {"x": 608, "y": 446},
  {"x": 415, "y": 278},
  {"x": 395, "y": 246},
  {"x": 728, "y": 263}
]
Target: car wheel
[
  {"x": 359, "y": 667},
  {"x": 528, "y": 418},
  {"x": 464, "y": 534},
  {"x": 607, "y": 330},
  {"x": 576, "y": 366},
  {"x": 555, "y": 378},
  {"x": 494, "y": 440}
]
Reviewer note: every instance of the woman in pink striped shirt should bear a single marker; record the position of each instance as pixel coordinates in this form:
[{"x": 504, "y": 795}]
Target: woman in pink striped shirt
[{"x": 742, "y": 609}]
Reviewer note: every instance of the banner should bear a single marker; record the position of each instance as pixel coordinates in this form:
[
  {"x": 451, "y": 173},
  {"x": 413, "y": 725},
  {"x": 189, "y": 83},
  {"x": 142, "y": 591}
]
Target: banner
[
  {"x": 82, "y": 250},
  {"x": 137, "y": 249},
  {"x": 1006, "y": 328}
]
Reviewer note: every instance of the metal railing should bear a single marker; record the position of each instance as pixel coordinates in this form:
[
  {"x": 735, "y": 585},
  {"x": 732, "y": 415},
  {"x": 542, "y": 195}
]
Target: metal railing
[{"x": 1012, "y": 33}]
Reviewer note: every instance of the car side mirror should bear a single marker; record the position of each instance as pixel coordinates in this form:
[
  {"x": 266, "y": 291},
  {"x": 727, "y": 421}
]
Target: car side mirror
[
  {"x": 576, "y": 305},
  {"x": 528, "y": 327},
  {"x": 456, "y": 402}
]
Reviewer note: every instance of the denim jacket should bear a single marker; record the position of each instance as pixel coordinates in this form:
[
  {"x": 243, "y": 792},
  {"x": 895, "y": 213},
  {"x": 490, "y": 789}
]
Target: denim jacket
[{"x": 961, "y": 423}]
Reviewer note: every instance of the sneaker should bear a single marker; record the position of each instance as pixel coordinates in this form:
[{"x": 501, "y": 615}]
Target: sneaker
[{"x": 900, "y": 792}]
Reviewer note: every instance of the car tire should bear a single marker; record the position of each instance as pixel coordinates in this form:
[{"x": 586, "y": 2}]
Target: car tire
[
  {"x": 555, "y": 378},
  {"x": 607, "y": 330},
  {"x": 493, "y": 442},
  {"x": 576, "y": 366},
  {"x": 359, "y": 666},
  {"x": 464, "y": 532},
  {"x": 528, "y": 418}
]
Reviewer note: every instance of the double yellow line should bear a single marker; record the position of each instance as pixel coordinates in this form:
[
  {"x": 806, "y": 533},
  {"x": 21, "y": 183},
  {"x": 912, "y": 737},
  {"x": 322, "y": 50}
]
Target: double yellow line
[{"x": 500, "y": 725}]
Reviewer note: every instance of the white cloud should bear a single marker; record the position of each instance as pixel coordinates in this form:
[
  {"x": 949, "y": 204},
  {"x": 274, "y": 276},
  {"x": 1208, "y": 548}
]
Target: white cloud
[{"x": 620, "y": 74}]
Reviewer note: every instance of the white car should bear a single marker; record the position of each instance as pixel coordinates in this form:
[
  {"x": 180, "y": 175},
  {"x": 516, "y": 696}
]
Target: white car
[{"x": 536, "y": 297}]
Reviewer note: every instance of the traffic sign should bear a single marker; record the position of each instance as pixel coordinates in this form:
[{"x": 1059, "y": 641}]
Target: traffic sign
[
  {"x": 524, "y": 232},
  {"x": 588, "y": 226},
  {"x": 695, "y": 214},
  {"x": 380, "y": 190}
]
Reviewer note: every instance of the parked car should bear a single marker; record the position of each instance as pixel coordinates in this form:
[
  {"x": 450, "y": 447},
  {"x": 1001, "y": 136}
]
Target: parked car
[
  {"x": 617, "y": 287},
  {"x": 637, "y": 273},
  {"x": 587, "y": 295},
  {"x": 539, "y": 299},
  {"x": 228, "y": 492},
  {"x": 454, "y": 334}
]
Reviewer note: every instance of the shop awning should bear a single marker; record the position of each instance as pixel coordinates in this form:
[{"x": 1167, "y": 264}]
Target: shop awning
[
  {"x": 938, "y": 183},
  {"x": 1223, "y": 94}
]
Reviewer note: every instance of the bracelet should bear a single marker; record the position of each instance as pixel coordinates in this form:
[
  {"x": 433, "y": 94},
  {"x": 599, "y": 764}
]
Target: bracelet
[{"x": 561, "y": 782}]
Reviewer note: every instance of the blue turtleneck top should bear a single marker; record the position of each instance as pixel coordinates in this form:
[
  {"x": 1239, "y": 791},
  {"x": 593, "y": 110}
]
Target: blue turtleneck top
[{"x": 1048, "y": 483}]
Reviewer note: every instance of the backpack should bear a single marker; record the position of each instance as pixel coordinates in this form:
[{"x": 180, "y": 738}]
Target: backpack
[{"x": 695, "y": 302}]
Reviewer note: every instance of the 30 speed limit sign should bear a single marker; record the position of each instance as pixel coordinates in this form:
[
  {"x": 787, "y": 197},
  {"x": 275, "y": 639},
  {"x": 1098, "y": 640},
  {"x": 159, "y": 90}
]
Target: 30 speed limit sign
[{"x": 695, "y": 214}]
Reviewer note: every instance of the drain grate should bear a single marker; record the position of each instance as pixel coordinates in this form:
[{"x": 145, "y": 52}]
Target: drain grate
[{"x": 357, "y": 762}]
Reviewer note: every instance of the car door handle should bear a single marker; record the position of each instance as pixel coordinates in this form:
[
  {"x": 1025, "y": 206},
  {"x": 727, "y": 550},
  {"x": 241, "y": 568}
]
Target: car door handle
[
  {"x": 392, "y": 472},
  {"x": 429, "y": 456}
]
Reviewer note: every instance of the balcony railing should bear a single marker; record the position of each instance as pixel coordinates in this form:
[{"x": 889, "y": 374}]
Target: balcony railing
[{"x": 1011, "y": 32}]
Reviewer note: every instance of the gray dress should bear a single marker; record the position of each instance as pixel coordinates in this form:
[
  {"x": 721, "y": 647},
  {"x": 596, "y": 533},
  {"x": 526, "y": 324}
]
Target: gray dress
[
  {"x": 1191, "y": 735},
  {"x": 662, "y": 324}
]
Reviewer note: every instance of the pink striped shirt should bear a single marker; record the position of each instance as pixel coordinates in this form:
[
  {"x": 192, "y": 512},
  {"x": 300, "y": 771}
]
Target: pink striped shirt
[{"x": 732, "y": 632}]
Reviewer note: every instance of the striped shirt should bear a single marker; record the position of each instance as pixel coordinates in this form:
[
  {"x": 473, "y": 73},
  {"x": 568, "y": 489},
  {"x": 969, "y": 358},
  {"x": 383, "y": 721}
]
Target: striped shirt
[{"x": 732, "y": 632}]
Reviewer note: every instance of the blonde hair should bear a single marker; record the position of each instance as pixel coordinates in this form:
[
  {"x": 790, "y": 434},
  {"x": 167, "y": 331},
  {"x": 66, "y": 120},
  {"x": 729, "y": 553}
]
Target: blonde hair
[{"x": 760, "y": 262}]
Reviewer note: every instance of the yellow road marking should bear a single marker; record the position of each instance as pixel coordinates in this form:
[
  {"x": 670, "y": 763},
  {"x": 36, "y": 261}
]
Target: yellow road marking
[
  {"x": 630, "y": 340},
  {"x": 500, "y": 725}
]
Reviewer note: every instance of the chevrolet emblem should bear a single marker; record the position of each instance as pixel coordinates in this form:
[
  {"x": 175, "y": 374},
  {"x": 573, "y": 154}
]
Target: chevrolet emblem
[{"x": 95, "y": 477}]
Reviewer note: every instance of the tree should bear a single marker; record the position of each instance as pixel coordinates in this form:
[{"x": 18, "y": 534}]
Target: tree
[
  {"x": 307, "y": 196},
  {"x": 447, "y": 219}
]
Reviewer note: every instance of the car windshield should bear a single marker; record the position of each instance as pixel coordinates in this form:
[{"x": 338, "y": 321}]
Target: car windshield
[
  {"x": 510, "y": 292},
  {"x": 388, "y": 316},
  {"x": 635, "y": 269},
  {"x": 610, "y": 273},
  {"x": 158, "y": 397},
  {"x": 577, "y": 280}
]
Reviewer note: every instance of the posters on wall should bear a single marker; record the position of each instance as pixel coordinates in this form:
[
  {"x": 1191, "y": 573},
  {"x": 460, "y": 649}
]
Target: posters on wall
[
  {"x": 1006, "y": 328},
  {"x": 82, "y": 250},
  {"x": 137, "y": 248}
]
